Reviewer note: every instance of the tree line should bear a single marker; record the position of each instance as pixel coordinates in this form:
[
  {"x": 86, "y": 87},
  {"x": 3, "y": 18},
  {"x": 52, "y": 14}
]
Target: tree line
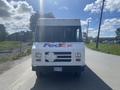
[
  {"x": 3, "y": 33},
  {"x": 118, "y": 34},
  {"x": 17, "y": 36}
]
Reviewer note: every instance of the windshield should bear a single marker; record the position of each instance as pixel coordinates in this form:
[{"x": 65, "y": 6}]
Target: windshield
[{"x": 58, "y": 34}]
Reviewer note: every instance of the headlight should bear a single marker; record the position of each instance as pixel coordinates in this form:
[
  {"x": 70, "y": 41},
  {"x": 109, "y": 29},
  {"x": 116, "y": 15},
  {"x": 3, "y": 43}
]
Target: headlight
[
  {"x": 38, "y": 55},
  {"x": 78, "y": 54}
]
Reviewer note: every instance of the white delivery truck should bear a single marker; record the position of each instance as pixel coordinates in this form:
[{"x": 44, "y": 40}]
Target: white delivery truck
[{"x": 58, "y": 46}]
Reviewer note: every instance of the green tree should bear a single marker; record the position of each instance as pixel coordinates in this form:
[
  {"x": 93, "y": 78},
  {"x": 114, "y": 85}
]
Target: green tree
[
  {"x": 47, "y": 15},
  {"x": 3, "y": 33},
  {"x": 34, "y": 18},
  {"x": 118, "y": 34},
  {"x": 20, "y": 36},
  {"x": 33, "y": 21}
]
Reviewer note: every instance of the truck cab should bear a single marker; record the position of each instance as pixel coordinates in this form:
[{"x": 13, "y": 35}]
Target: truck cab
[{"x": 58, "y": 46}]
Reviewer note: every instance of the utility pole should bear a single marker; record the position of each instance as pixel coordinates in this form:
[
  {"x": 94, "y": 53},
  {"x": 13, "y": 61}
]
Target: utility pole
[{"x": 97, "y": 42}]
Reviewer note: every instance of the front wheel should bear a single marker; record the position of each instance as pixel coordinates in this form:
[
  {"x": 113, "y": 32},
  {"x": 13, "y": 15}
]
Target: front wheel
[
  {"x": 39, "y": 74},
  {"x": 77, "y": 74}
]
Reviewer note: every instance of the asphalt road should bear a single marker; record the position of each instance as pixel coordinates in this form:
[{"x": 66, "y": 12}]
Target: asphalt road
[{"x": 102, "y": 73}]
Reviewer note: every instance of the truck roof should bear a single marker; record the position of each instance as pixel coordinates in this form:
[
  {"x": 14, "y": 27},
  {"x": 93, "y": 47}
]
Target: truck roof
[{"x": 58, "y": 22}]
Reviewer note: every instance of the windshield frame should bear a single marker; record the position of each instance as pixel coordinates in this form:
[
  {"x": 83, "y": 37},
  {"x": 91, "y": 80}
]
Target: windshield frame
[{"x": 40, "y": 30}]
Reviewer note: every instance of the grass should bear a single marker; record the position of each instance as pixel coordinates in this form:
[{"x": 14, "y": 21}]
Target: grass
[
  {"x": 106, "y": 48},
  {"x": 8, "y": 45},
  {"x": 4, "y": 59},
  {"x": 16, "y": 56}
]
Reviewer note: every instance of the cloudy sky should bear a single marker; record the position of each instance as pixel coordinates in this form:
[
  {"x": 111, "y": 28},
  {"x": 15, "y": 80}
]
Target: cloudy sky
[{"x": 16, "y": 14}]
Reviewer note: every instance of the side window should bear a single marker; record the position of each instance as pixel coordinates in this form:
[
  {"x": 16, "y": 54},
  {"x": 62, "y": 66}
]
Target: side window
[{"x": 78, "y": 34}]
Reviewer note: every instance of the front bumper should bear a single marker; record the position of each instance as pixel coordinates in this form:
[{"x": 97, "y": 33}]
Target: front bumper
[{"x": 64, "y": 68}]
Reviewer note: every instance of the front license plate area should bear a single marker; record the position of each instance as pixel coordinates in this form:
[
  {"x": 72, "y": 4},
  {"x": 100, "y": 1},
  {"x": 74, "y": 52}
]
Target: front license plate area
[{"x": 58, "y": 69}]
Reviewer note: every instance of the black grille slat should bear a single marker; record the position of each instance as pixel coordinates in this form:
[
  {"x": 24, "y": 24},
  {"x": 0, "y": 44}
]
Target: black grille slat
[
  {"x": 63, "y": 56},
  {"x": 59, "y": 53},
  {"x": 62, "y": 52},
  {"x": 62, "y": 60}
]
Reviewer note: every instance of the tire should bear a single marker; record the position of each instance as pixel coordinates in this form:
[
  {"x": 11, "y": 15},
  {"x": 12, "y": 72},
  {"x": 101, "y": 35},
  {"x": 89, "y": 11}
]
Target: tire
[
  {"x": 39, "y": 74},
  {"x": 77, "y": 74}
]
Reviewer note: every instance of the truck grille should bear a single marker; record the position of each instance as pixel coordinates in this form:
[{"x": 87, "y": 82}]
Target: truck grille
[{"x": 61, "y": 56}]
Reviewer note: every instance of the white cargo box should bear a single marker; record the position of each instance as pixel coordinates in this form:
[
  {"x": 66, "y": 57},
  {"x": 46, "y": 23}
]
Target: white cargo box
[{"x": 58, "y": 22}]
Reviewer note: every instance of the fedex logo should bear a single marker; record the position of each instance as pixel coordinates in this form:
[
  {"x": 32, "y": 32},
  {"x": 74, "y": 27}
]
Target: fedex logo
[{"x": 57, "y": 45}]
